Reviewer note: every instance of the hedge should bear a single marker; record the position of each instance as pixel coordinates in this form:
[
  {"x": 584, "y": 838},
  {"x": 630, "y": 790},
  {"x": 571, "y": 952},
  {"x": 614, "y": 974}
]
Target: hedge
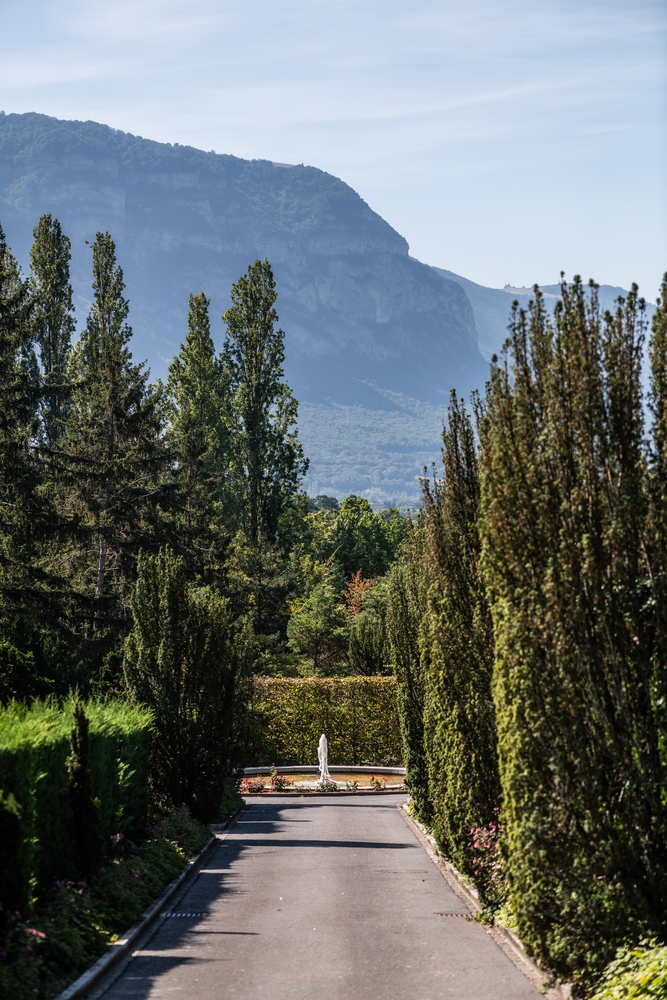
[
  {"x": 357, "y": 714},
  {"x": 34, "y": 745}
]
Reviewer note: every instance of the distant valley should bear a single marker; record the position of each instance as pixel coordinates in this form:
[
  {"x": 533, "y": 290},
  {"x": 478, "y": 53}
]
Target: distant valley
[{"x": 374, "y": 338}]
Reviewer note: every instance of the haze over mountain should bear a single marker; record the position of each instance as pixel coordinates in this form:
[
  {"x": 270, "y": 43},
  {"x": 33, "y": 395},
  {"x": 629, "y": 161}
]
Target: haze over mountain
[{"x": 374, "y": 338}]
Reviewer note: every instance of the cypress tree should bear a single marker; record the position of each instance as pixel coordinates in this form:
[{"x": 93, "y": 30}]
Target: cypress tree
[
  {"x": 86, "y": 837},
  {"x": 459, "y": 718},
  {"x": 112, "y": 446},
  {"x": 196, "y": 401},
  {"x": 406, "y": 608},
  {"x": 54, "y": 322},
  {"x": 183, "y": 660},
  {"x": 565, "y": 502}
]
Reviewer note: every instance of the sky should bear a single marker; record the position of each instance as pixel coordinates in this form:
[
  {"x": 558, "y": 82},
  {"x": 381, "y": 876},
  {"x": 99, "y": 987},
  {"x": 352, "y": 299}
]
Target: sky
[{"x": 506, "y": 141}]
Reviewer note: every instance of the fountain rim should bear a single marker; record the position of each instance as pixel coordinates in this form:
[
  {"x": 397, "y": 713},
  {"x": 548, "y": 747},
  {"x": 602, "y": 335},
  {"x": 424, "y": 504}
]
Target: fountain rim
[{"x": 314, "y": 769}]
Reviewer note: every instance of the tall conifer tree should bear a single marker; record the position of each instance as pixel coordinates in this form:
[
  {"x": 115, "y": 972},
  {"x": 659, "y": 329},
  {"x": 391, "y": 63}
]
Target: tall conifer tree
[
  {"x": 565, "y": 507},
  {"x": 267, "y": 461},
  {"x": 20, "y": 508},
  {"x": 459, "y": 718},
  {"x": 50, "y": 257},
  {"x": 197, "y": 434},
  {"x": 113, "y": 443}
]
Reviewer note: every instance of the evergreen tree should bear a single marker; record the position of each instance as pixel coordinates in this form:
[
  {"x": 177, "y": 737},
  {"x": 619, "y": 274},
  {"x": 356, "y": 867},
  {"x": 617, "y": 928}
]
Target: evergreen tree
[
  {"x": 197, "y": 434},
  {"x": 22, "y": 513},
  {"x": 87, "y": 839},
  {"x": 267, "y": 461},
  {"x": 405, "y": 615},
  {"x": 112, "y": 446},
  {"x": 183, "y": 660},
  {"x": 459, "y": 718},
  {"x": 565, "y": 505},
  {"x": 50, "y": 257}
]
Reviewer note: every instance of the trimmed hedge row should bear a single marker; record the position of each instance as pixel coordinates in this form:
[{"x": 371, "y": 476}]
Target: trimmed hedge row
[
  {"x": 357, "y": 714},
  {"x": 34, "y": 745}
]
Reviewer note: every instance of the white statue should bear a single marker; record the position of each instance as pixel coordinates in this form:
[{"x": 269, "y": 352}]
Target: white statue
[{"x": 323, "y": 758}]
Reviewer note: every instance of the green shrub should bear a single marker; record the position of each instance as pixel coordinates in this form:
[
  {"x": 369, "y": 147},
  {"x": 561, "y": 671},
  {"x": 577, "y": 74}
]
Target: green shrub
[
  {"x": 636, "y": 973},
  {"x": 34, "y": 746},
  {"x": 13, "y": 872},
  {"x": 357, "y": 714}
]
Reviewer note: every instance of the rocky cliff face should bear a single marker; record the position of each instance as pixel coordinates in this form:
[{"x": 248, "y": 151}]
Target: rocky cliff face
[{"x": 357, "y": 310}]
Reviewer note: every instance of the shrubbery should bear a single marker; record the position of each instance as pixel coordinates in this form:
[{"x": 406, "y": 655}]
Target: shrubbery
[
  {"x": 34, "y": 748},
  {"x": 358, "y": 715},
  {"x": 74, "y": 921},
  {"x": 570, "y": 508}
]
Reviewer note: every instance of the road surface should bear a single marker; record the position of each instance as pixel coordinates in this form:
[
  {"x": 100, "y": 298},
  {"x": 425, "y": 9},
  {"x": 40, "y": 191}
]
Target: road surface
[{"x": 318, "y": 899}]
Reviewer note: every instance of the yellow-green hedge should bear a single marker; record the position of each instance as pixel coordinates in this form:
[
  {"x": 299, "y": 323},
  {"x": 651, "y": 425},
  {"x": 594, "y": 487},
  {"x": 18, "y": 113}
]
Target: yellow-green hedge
[{"x": 358, "y": 715}]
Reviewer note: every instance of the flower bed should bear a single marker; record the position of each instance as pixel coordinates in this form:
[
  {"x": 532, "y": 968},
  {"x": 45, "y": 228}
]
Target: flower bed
[{"x": 70, "y": 927}]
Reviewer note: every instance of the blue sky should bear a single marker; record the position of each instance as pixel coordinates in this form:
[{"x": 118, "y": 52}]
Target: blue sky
[{"x": 505, "y": 140}]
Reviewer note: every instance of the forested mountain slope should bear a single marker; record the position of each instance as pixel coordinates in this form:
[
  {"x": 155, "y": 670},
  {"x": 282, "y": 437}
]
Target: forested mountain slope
[{"x": 354, "y": 305}]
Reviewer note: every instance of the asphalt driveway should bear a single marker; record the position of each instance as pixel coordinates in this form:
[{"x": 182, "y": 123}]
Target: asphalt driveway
[{"x": 318, "y": 899}]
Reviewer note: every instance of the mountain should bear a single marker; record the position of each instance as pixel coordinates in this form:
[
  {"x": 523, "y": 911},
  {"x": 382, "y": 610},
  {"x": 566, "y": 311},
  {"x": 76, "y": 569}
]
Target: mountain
[
  {"x": 374, "y": 338},
  {"x": 491, "y": 306}
]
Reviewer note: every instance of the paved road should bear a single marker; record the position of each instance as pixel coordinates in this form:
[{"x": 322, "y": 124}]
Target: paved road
[{"x": 319, "y": 899}]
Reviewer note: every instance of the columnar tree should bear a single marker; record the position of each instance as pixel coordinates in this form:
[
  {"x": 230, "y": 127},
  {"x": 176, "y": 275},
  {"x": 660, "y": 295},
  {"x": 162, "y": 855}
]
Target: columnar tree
[
  {"x": 565, "y": 504},
  {"x": 112, "y": 445},
  {"x": 405, "y": 614},
  {"x": 54, "y": 322},
  {"x": 267, "y": 462},
  {"x": 460, "y": 729},
  {"x": 197, "y": 398},
  {"x": 183, "y": 660}
]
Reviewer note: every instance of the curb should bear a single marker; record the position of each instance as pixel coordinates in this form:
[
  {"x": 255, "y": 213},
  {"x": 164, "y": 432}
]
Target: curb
[
  {"x": 306, "y": 793},
  {"x": 506, "y": 939},
  {"x": 117, "y": 949}
]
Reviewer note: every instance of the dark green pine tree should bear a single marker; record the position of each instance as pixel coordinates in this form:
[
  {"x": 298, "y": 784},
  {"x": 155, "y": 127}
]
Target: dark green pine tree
[
  {"x": 22, "y": 513},
  {"x": 50, "y": 257},
  {"x": 112, "y": 446},
  {"x": 196, "y": 392},
  {"x": 266, "y": 458}
]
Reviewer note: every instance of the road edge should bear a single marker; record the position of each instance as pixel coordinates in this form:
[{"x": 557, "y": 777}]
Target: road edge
[
  {"x": 117, "y": 949},
  {"x": 506, "y": 939}
]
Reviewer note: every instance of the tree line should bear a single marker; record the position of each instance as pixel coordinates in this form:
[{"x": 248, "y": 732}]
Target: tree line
[
  {"x": 103, "y": 472},
  {"x": 528, "y": 628}
]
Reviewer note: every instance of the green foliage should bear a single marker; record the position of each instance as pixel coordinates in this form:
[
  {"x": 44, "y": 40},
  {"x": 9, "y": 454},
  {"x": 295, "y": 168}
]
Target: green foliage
[
  {"x": 405, "y": 613},
  {"x": 18, "y": 674},
  {"x": 197, "y": 436},
  {"x": 367, "y": 644},
  {"x": 358, "y": 715},
  {"x": 34, "y": 746},
  {"x": 72, "y": 926},
  {"x": 266, "y": 459},
  {"x": 365, "y": 540},
  {"x": 639, "y": 972},
  {"x": 318, "y": 627},
  {"x": 88, "y": 846},
  {"x": 569, "y": 558},
  {"x": 112, "y": 449},
  {"x": 54, "y": 322},
  {"x": 459, "y": 719},
  {"x": 182, "y": 660},
  {"x": 13, "y": 874}
]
